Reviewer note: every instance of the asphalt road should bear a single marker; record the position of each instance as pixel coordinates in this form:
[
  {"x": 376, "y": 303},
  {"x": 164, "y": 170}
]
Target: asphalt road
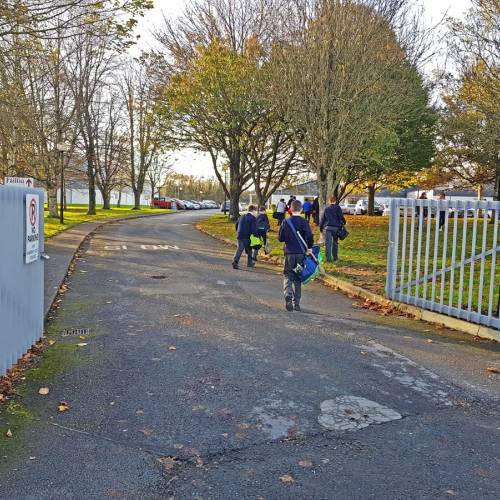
[{"x": 196, "y": 383}]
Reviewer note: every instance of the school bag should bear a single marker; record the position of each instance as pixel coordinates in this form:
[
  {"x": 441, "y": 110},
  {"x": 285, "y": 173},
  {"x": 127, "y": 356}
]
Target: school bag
[
  {"x": 310, "y": 269},
  {"x": 255, "y": 241}
]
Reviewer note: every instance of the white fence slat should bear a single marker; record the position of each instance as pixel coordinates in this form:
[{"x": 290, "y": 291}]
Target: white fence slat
[
  {"x": 493, "y": 263},
  {"x": 445, "y": 255}
]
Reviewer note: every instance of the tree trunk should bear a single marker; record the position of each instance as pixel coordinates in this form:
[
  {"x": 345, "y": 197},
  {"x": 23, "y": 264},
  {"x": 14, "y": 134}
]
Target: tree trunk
[
  {"x": 119, "y": 202},
  {"x": 480, "y": 192},
  {"x": 371, "y": 199},
  {"x": 52, "y": 202},
  {"x": 137, "y": 199},
  {"x": 92, "y": 197},
  {"x": 496, "y": 188},
  {"x": 106, "y": 204}
]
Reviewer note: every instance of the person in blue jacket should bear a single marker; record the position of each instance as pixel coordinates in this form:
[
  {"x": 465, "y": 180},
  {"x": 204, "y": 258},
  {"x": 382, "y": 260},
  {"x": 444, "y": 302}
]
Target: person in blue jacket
[
  {"x": 246, "y": 225},
  {"x": 263, "y": 227},
  {"x": 331, "y": 222},
  {"x": 294, "y": 254},
  {"x": 307, "y": 207}
]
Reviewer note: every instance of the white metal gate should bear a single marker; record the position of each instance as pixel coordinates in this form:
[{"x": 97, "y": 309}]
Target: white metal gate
[
  {"x": 21, "y": 277},
  {"x": 443, "y": 256}
]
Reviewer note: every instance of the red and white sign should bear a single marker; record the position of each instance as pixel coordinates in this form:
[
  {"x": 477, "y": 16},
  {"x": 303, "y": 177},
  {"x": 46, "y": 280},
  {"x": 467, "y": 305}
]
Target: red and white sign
[
  {"x": 19, "y": 181},
  {"x": 32, "y": 228}
]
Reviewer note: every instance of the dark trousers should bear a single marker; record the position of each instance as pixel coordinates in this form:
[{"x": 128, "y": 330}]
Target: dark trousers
[
  {"x": 316, "y": 218},
  {"x": 243, "y": 245},
  {"x": 281, "y": 218},
  {"x": 331, "y": 243},
  {"x": 292, "y": 286},
  {"x": 307, "y": 216},
  {"x": 442, "y": 217}
]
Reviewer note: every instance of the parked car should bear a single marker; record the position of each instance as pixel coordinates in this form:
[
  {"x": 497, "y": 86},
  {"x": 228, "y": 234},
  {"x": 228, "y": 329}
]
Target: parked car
[
  {"x": 196, "y": 204},
  {"x": 180, "y": 204},
  {"x": 362, "y": 208},
  {"x": 348, "y": 208},
  {"x": 228, "y": 206},
  {"x": 162, "y": 202},
  {"x": 210, "y": 204},
  {"x": 188, "y": 204}
]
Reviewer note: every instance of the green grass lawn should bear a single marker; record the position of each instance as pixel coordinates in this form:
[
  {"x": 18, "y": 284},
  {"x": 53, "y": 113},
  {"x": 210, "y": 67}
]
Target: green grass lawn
[
  {"x": 363, "y": 256},
  {"x": 76, "y": 214}
]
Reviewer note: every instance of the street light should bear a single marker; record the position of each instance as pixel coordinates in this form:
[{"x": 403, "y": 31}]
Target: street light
[{"x": 62, "y": 147}]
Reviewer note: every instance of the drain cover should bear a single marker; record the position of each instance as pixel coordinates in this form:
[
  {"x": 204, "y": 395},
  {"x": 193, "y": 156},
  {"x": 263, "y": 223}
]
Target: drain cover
[
  {"x": 159, "y": 277},
  {"x": 349, "y": 413},
  {"x": 75, "y": 331}
]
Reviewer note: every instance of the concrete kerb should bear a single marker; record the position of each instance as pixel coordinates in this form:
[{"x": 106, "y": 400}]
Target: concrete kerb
[
  {"x": 416, "y": 312},
  {"x": 81, "y": 239}
]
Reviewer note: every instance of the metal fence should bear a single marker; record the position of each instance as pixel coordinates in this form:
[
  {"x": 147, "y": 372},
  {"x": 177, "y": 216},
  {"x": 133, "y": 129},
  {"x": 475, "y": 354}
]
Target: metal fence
[
  {"x": 21, "y": 283},
  {"x": 443, "y": 256}
]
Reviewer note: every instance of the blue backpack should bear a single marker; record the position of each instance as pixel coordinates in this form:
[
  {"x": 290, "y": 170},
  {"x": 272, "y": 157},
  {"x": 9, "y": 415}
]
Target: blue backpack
[{"x": 311, "y": 265}]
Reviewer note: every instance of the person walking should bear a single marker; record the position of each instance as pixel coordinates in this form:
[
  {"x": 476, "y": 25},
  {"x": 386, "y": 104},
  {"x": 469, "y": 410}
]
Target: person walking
[
  {"x": 294, "y": 254},
  {"x": 315, "y": 210},
  {"x": 423, "y": 196},
  {"x": 263, "y": 227},
  {"x": 246, "y": 226},
  {"x": 442, "y": 213},
  {"x": 331, "y": 222},
  {"x": 307, "y": 207},
  {"x": 281, "y": 211}
]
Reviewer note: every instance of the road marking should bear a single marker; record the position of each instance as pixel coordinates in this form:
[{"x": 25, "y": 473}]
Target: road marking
[{"x": 119, "y": 248}]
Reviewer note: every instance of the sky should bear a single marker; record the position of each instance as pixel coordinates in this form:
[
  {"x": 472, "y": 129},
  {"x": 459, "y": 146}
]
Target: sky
[{"x": 188, "y": 161}]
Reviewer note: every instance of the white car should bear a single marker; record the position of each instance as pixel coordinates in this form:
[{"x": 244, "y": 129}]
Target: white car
[
  {"x": 348, "y": 208},
  {"x": 362, "y": 208}
]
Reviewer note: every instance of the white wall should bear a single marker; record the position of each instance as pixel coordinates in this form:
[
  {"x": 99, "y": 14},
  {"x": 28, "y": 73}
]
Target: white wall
[{"x": 81, "y": 196}]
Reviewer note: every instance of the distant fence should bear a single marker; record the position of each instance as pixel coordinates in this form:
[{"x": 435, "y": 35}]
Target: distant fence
[
  {"x": 444, "y": 256},
  {"x": 21, "y": 276}
]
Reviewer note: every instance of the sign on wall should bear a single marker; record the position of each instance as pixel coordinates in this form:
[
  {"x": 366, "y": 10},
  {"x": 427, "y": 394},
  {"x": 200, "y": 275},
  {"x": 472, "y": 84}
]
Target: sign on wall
[
  {"x": 32, "y": 228},
  {"x": 20, "y": 181}
]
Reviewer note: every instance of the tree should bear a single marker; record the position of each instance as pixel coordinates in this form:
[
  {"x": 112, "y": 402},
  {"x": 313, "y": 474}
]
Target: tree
[
  {"x": 331, "y": 80},
  {"x": 475, "y": 99},
  {"x": 145, "y": 135},
  {"x": 468, "y": 140}
]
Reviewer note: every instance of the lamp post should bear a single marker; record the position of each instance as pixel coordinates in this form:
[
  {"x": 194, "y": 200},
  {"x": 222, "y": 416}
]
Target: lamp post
[{"x": 62, "y": 147}]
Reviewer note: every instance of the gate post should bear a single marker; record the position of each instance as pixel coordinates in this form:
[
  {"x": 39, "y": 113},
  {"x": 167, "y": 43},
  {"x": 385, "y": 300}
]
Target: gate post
[
  {"x": 392, "y": 263},
  {"x": 21, "y": 272}
]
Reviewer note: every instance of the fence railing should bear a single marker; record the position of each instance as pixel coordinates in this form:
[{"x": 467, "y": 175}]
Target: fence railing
[
  {"x": 21, "y": 275},
  {"x": 444, "y": 256}
]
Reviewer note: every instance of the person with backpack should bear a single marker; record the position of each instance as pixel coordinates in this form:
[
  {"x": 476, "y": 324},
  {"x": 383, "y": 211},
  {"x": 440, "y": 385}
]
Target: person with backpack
[
  {"x": 245, "y": 228},
  {"x": 307, "y": 208},
  {"x": 332, "y": 221},
  {"x": 263, "y": 227},
  {"x": 295, "y": 254},
  {"x": 281, "y": 211}
]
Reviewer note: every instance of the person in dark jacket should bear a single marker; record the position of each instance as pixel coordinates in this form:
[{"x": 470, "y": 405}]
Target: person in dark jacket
[
  {"x": 263, "y": 227},
  {"x": 331, "y": 222},
  {"x": 315, "y": 210},
  {"x": 245, "y": 227},
  {"x": 294, "y": 254}
]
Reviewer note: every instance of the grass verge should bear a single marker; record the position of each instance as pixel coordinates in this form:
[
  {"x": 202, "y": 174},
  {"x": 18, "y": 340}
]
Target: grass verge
[{"x": 77, "y": 214}]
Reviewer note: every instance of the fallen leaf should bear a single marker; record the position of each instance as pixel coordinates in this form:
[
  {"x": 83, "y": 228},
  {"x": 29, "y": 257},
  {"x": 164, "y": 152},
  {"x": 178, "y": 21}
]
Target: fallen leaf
[
  {"x": 168, "y": 463},
  {"x": 172, "y": 348},
  {"x": 82, "y": 337},
  {"x": 450, "y": 492},
  {"x": 325, "y": 460},
  {"x": 430, "y": 341},
  {"x": 43, "y": 391},
  {"x": 62, "y": 407},
  {"x": 287, "y": 479},
  {"x": 147, "y": 431},
  {"x": 2, "y": 397},
  {"x": 82, "y": 344},
  {"x": 492, "y": 369},
  {"x": 244, "y": 425},
  {"x": 52, "y": 342},
  {"x": 9, "y": 433},
  {"x": 32, "y": 458},
  {"x": 178, "y": 446},
  {"x": 305, "y": 463}
]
